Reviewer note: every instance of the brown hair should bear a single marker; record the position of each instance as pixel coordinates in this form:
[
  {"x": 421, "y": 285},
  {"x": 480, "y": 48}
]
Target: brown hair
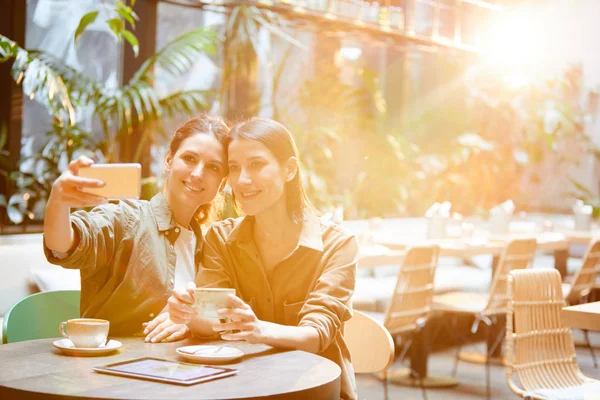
[
  {"x": 206, "y": 125},
  {"x": 281, "y": 144}
]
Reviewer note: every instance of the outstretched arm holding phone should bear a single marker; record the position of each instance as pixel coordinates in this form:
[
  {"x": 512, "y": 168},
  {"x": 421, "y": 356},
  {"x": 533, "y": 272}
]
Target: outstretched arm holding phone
[{"x": 66, "y": 193}]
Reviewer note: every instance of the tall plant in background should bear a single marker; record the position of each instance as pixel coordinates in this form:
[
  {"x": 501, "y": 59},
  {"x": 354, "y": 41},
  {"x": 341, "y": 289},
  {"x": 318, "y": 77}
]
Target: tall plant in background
[
  {"x": 328, "y": 119},
  {"x": 514, "y": 132},
  {"x": 239, "y": 96},
  {"x": 66, "y": 94},
  {"x": 348, "y": 161}
]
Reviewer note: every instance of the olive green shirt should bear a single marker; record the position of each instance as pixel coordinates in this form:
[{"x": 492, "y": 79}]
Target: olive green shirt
[
  {"x": 126, "y": 257},
  {"x": 313, "y": 286}
]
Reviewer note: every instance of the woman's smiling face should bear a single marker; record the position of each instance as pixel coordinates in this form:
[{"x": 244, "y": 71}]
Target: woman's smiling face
[
  {"x": 196, "y": 171},
  {"x": 255, "y": 176}
]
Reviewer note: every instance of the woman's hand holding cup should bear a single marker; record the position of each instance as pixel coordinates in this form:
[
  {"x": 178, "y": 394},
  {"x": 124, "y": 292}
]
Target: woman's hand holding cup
[
  {"x": 181, "y": 304},
  {"x": 243, "y": 323}
]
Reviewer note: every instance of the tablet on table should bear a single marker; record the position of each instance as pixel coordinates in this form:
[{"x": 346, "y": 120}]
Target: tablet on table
[{"x": 156, "y": 369}]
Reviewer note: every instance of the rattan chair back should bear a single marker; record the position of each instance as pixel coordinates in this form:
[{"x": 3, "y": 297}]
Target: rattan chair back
[
  {"x": 410, "y": 304},
  {"x": 585, "y": 278},
  {"x": 518, "y": 254},
  {"x": 539, "y": 348}
]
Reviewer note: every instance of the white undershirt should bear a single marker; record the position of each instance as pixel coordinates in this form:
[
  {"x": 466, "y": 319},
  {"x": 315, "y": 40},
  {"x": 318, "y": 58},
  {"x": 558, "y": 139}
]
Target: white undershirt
[{"x": 185, "y": 269}]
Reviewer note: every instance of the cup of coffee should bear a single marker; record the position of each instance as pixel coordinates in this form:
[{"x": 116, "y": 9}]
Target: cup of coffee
[
  {"x": 85, "y": 332},
  {"x": 209, "y": 300}
]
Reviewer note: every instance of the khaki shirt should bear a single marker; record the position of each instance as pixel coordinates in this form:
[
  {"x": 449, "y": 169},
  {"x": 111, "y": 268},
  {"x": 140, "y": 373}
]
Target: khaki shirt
[
  {"x": 311, "y": 287},
  {"x": 126, "y": 258}
]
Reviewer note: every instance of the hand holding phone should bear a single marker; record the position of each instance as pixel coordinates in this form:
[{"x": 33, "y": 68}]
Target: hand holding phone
[
  {"x": 121, "y": 181},
  {"x": 68, "y": 189}
]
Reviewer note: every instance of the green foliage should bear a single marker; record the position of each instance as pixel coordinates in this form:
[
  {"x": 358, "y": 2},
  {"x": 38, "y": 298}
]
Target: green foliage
[
  {"x": 12, "y": 203},
  {"x": 63, "y": 91},
  {"x": 239, "y": 97},
  {"x": 38, "y": 171},
  {"x": 4, "y": 154},
  {"x": 515, "y": 130},
  {"x": 473, "y": 141},
  {"x": 137, "y": 105},
  {"x": 123, "y": 15},
  {"x": 342, "y": 150},
  {"x": 5, "y": 169},
  {"x": 42, "y": 79},
  {"x": 584, "y": 194},
  {"x": 86, "y": 20}
]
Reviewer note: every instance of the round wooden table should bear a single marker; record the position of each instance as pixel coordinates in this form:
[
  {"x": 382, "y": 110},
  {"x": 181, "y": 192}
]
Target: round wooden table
[{"x": 35, "y": 369}]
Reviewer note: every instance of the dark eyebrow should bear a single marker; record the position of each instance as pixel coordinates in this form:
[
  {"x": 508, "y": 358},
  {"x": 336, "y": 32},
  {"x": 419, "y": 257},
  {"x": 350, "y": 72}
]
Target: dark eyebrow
[
  {"x": 198, "y": 156},
  {"x": 255, "y": 158},
  {"x": 190, "y": 152}
]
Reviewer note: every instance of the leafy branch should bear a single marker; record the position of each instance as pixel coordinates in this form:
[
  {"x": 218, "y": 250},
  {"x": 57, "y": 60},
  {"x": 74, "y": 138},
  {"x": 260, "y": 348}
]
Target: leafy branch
[{"x": 123, "y": 15}]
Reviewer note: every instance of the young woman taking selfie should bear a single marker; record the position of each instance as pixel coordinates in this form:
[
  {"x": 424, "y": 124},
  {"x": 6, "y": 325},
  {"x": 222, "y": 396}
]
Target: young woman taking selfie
[
  {"x": 132, "y": 253},
  {"x": 293, "y": 272}
]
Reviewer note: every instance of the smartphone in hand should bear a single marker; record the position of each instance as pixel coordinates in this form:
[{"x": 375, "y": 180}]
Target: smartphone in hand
[{"x": 122, "y": 181}]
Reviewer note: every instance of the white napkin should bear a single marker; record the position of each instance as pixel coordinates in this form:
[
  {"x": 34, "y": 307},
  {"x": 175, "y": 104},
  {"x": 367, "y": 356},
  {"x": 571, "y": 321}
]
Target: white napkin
[
  {"x": 580, "y": 208},
  {"x": 440, "y": 210},
  {"x": 505, "y": 208}
]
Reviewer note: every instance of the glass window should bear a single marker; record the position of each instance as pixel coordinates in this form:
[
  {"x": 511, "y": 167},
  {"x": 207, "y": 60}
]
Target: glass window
[{"x": 51, "y": 25}]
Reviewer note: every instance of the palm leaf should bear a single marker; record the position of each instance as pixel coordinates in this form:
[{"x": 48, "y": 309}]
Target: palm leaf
[
  {"x": 138, "y": 102},
  {"x": 8, "y": 49},
  {"x": 584, "y": 190},
  {"x": 241, "y": 45},
  {"x": 81, "y": 88},
  {"x": 187, "y": 102},
  {"x": 274, "y": 26},
  {"x": 44, "y": 78},
  {"x": 178, "y": 56}
]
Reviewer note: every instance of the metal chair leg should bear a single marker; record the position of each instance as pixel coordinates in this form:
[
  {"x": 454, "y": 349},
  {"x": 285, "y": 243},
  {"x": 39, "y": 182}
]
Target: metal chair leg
[
  {"x": 458, "y": 347},
  {"x": 423, "y": 390},
  {"x": 488, "y": 389},
  {"x": 385, "y": 385},
  {"x": 589, "y": 345},
  {"x": 490, "y": 351},
  {"x": 412, "y": 371}
]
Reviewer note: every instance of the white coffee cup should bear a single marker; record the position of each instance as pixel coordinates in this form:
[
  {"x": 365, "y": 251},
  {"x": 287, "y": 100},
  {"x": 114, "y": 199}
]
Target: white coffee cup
[
  {"x": 209, "y": 300},
  {"x": 85, "y": 332}
]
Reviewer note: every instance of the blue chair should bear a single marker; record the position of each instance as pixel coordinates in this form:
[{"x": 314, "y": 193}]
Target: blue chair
[{"x": 37, "y": 316}]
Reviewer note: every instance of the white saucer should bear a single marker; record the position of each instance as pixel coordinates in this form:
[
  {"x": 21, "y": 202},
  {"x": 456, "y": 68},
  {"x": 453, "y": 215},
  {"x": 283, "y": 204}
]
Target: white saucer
[
  {"x": 210, "y": 354},
  {"x": 67, "y": 347}
]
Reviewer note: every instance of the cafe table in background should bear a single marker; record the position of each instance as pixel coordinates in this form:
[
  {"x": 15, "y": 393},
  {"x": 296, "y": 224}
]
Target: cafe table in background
[{"x": 582, "y": 316}]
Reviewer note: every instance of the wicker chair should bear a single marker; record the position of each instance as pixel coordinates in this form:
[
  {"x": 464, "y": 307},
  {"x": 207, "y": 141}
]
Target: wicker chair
[
  {"x": 485, "y": 307},
  {"x": 584, "y": 280},
  {"x": 578, "y": 290},
  {"x": 410, "y": 305},
  {"x": 539, "y": 348}
]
